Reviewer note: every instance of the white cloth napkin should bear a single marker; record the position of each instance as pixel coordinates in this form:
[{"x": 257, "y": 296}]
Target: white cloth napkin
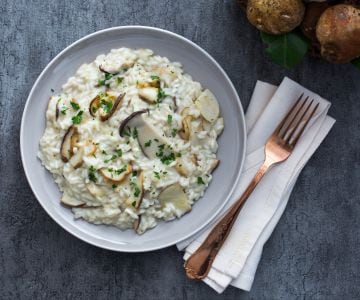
[{"x": 237, "y": 261}]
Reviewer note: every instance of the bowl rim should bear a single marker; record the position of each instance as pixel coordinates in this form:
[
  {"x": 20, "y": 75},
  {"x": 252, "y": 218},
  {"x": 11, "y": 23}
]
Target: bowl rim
[{"x": 85, "y": 236}]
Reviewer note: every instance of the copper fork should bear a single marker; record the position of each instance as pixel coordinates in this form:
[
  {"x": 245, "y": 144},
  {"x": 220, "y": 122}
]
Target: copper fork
[{"x": 277, "y": 149}]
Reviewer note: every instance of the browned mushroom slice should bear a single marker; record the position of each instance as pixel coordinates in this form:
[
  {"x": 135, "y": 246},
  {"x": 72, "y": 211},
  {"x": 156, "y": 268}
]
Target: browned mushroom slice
[
  {"x": 175, "y": 195},
  {"x": 126, "y": 122},
  {"x": 116, "y": 175},
  {"x": 95, "y": 190},
  {"x": 180, "y": 168},
  {"x": 89, "y": 148},
  {"x": 139, "y": 190},
  {"x": 146, "y": 133},
  {"x": 66, "y": 148},
  {"x": 208, "y": 106},
  {"x": 115, "y": 106},
  {"x": 186, "y": 128},
  {"x": 144, "y": 84},
  {"x": 94, "y": 106},
  {"x": 149, "y": 94},
  {"x": 137, "y": 224},
  {"x": 71, "y": 202},
  {"x": 76, "y": 159}
]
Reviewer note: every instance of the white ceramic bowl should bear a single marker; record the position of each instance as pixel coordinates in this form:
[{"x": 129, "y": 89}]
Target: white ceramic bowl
[{"x": 203, "y": 68}]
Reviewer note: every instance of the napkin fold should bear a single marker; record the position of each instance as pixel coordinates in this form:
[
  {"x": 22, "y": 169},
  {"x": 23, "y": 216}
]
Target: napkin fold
[{"x": 237, "y": 261}]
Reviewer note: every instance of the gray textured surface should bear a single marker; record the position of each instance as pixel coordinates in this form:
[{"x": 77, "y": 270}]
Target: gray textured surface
[{"x": 314, "y": 252}]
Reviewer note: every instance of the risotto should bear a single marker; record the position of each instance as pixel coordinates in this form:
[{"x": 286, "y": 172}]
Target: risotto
[{"x": 131, "y": 140}]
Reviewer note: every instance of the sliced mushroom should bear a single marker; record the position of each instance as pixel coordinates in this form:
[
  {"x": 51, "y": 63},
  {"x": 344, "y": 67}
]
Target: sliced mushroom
[
  {"x": 115, "y": 175},
  {"x": 148, "y": 136},
  {"x": 208, "y": 106},
  {"x": 126, "y": 122},
  {"x": 213, "y": 165},
  {"x": 71, "y": 202},
  {"x": 115, "y": 106},
  {"x": 137, "y": 224},
  {"x": 77, "y": 159},
  {"x": 95, "y": 190},
  {"x": 149, "y": 94},
  {"x": 175, "y": 195},
  {"x": 180, "y": 168},
  {"x": 67, "y": 144},
  {"x": 89, "y": 148},
  {"x": 94, "y": 106},
  {"x": 186, "y": 128},
  {"x": 96, "y": 109},
  {"x": 154, "y": 83},
  {"x": 140, "y": 185}
]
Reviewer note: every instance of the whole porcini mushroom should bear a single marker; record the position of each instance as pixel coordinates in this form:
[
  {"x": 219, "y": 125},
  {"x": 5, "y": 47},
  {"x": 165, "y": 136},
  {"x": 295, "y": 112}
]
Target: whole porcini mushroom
[
  {"x": 275, "y": 16},
  {"x": 338, "y": 31}
]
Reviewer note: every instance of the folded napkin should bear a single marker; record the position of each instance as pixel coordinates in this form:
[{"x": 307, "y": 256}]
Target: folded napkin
[{"x": 237, "y": 261}]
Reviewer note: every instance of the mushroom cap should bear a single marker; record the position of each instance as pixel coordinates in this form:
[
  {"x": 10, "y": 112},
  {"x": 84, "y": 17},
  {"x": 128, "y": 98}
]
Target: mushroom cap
[
  {"x": 275, "y": 16},
  {"x": 338, "y": 31}
]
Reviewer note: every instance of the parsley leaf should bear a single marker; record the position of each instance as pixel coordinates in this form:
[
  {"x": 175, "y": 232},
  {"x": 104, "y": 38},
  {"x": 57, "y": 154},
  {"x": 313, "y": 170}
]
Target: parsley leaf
[
  {"x": 169, "y": 119},
  {"x": 119, "y": 80},
  {"x": 200, "y": 180},
  {"x": 148, "y": 143},
  {"x": 157, "y": 175},
  {"x": 118, "y": 152},
  {"x": 63, "y": 110},
  {"x": 135, "y": 133},
  {"x": 77, "y": 119},
  {"x": 154, "y": 77},
  {"x": 161, "y": 95},
  {"x": 74, "y": 105},
  {"x": 133, "y": 203},
  {"x": 92, "y": 175},
  {"x": 174, "y": 132},
  {"x": 137, "y": 191},
  {"x": 106, "y": 105}
]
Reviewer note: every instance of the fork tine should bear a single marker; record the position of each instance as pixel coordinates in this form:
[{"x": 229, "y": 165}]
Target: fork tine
[
  {"x": 296, "y": 138},
  {"x": 294, "y": 118},
  {"x": 282, "y": 123},
  {"x": 293, "y": 130}
]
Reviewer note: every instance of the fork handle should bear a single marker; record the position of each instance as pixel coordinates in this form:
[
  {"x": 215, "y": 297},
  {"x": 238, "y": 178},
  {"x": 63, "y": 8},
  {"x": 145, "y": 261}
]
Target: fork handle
[{"x": 199, "y": 263}]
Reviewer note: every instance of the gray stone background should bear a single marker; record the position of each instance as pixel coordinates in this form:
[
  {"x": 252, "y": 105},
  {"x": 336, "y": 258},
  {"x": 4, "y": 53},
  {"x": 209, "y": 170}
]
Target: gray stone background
[{"x": 313, "y": 253}]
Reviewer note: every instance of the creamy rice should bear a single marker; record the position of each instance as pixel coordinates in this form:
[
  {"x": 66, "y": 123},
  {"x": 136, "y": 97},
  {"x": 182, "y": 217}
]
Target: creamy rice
[{"x": 162, "y": 163}]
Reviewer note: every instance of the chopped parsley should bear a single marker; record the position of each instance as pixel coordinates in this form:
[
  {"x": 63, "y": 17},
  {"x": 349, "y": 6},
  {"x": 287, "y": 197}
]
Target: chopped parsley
[
  {"x": 118, "y": 152},
  {"x": 155, "y": 77},
  {"x": 92, "y": 176},
  {"x": 114, "y": 186},
  {"x": 137, "y": 191},
  {"x": 106, "y": 105},
  {"x": 103, "y": 152},
  {"x": 112, "y": 133},
  {"x": 168, "y": 159},
  {"x": 134, "y": 173},
  {"x": 161, "y": 95},
  {"x": 113, "y": 157},
  {"x": 169, "y": 119},
  {"x": 135, "y": 133},
  {"x": 101, "y": 82},
  {"x": 157, "y": 175},
  {"x": 63, "y": 110},
  {"x": 108, "y": 76},
  {"x": 156, "y": 140},
  {"x": 119, "y": 80},
  {"x": 133, "y": 203},
  {"x": 174, "y": 132},
  {"x": 121, "y": 170},
  {"x": 127, "y": 131},
  {"x": 148, "y": 143},
  {"x": 178, "y": 154},
  {"x": 77, "y": 118},
  {"x": 74, "y": 105},
  {"x": 200, "y": 180}
]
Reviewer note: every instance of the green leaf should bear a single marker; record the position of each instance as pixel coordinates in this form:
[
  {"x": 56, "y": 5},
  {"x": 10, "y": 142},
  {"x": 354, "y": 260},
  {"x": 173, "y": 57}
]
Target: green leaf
[
  {"x": 356, "y": 62},
  {"x": 286, "y": 50}
]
